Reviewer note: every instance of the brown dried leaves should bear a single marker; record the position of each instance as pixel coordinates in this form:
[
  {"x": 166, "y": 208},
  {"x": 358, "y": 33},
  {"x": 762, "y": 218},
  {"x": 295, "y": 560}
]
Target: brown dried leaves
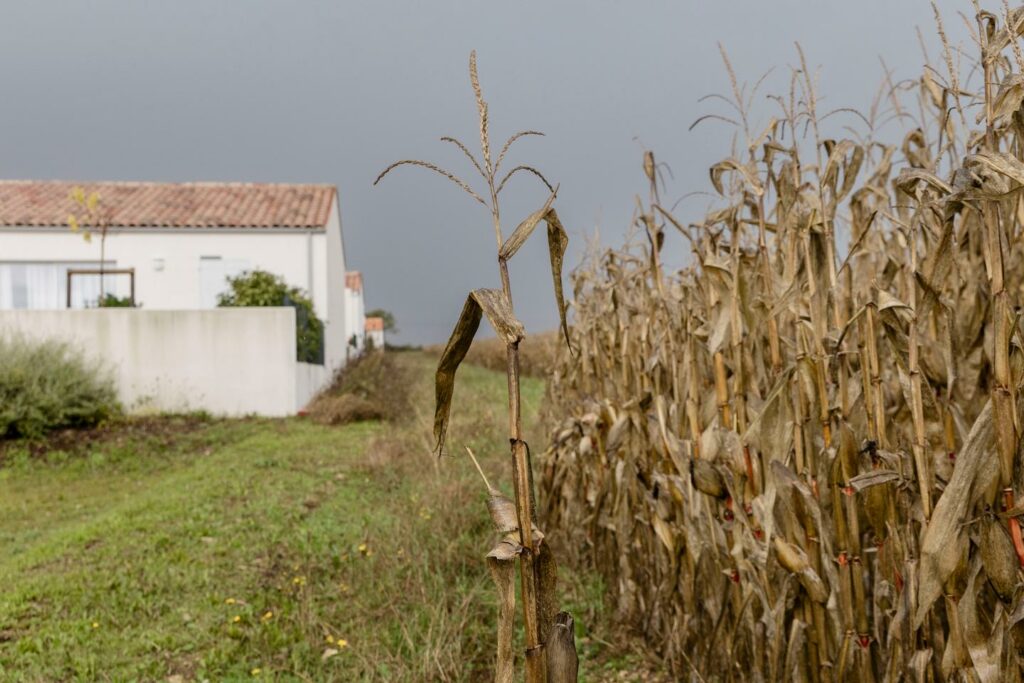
[
  {"x": 480, "y": 302},
  {"x": 557, "y": 242}
]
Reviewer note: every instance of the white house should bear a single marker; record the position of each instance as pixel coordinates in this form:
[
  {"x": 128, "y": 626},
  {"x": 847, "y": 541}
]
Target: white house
[
  {"x": 355, "y": 313},
  {"x": 174, "y": 245},
  {"x": 375, "y": 333}
]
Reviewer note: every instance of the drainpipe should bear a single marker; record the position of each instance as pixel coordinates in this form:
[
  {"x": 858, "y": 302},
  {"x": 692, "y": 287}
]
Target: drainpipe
[{"x": 309, "y": 265}]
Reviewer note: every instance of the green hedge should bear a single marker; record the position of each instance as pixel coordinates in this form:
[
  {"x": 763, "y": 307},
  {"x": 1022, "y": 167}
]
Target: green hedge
[{"x": 48, "y": 385}]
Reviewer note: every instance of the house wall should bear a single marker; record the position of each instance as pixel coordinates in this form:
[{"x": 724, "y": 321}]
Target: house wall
[
  {"x": 336, "y": 329},
  {"x": 376, "y": 337},
  {"x": 355, "y": 321},
  {"x": 167, "y": 261},
  {"x": 229, "y": 361}
]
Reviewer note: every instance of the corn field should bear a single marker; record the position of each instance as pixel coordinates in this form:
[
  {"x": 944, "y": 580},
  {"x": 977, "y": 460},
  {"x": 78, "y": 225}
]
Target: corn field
[{"x": 799, "y": 458}]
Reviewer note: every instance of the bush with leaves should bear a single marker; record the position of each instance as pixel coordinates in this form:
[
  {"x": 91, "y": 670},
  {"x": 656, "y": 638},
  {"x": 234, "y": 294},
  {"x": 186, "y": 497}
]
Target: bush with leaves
[
  {"x": 48, "y": 385},
  {"x": 260, "y": 288},
  {"x": 113, "y": 301}
]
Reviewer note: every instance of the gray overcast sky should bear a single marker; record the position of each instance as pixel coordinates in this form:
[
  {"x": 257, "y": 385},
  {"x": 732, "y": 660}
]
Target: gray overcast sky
[{"x": 332, "y": 91}]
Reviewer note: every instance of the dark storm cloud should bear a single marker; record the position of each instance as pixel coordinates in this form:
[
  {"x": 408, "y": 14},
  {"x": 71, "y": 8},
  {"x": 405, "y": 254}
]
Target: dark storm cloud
[{"x": 304, "y": 91}]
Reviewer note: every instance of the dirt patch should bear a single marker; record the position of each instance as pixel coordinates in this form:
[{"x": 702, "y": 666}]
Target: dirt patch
[{"x": 160, "y": 432}]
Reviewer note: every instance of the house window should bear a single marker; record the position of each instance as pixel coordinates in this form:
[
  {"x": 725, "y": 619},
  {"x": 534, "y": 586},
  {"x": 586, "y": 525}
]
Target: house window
[{"x": 42, "y": 285}]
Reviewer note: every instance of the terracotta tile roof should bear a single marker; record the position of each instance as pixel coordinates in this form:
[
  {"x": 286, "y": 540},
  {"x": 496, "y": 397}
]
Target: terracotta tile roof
[
  {"x": 354, "y": 280},
  {"x": 374, "y": 324},
  {"x": 171, "y": 205}
]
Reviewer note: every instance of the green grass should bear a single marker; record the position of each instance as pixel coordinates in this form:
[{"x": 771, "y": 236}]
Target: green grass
[{"x": 237, "y": 545}]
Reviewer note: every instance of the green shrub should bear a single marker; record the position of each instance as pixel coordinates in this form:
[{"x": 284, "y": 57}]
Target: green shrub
[
  {"x": 260, "y": 288},
  {"x": 114, "y": 301},
  {"x": 47, "y": 385}
]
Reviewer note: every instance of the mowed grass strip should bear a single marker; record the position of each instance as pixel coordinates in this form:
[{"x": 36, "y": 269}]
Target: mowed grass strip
[
  {"x": 192, "y": 549},
  {"x": 203, "y": 569},
  {"x": 275, "y": 549}
]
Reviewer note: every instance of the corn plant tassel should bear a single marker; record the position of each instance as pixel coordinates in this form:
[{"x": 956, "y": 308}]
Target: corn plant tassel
[{"x": 515, "y": 522}]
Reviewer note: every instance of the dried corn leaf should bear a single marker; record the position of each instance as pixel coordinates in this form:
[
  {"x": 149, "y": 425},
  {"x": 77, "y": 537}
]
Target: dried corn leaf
[
  {"x": 944, "y": 542},
  {"x": 998, "y": 557},
  {"x": 557, "y": 242},
  {"x": 503, "y": 512},
  {"x": 794, "y": 559},
  {"x": 491, "y": 302},
  {"x": 1005, "y": 165},
  {"x": 874, "y": 478},
  {"x": 909, "y": 178},
  {"x": 731, "y": 165},
  {"x": 1007, "y": 100},
  {"x": 523, "y": 231},
  {"x": 850, "y": 165}
]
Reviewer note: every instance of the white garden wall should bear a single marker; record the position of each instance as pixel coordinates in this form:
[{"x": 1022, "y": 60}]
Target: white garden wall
[{"x": 228, "y": 361}]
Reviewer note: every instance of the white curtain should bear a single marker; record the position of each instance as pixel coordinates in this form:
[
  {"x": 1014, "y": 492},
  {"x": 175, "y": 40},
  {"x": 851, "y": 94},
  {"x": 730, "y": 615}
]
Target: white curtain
[
  {"x": 44, "y": 285},
  {"x": 6, "y": 287}
]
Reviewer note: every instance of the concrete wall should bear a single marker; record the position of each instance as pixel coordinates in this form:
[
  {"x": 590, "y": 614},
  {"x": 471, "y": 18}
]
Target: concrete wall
[
  {"x": 228, "y": 361},
  {"x": 309, "y": 379}
]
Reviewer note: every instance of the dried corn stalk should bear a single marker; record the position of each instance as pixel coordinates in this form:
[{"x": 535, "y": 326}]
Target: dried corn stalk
[
  {"x": 515, "y": 520},
  {"x": 799, "y": 460}
]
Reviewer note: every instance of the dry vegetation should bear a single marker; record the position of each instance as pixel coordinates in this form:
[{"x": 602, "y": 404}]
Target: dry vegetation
[
  {"x": 799, "y": 459},
  {"x": 371, "y": 387},
  {"x": 549, "y": 652},
  {"x": 536, "y": 354}
]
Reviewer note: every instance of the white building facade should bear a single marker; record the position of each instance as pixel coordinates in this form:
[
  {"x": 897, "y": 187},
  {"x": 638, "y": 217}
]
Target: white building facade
[
  {"x": 355, "y": 313},
  {"x": 175, "y": 245},
  {"x": 375, "y": 333}
]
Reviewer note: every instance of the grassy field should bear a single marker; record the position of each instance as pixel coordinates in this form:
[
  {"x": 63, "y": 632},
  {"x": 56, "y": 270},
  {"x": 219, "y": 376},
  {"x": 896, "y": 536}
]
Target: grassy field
[{"x": 268, "y": 549}]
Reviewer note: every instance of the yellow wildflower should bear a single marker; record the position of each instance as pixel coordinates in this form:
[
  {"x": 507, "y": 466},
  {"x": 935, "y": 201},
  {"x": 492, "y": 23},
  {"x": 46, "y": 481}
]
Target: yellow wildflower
[
  {"x": 256, "y": 671},
  {"x": 267, "y": 616},
  {"x": 229, "y": 601},
  {"x": 364, "y": 549},
  {"x": 95, "y": 624},
  {"x": 237, "y": 618},
  {"x": 342, "y": 643}
]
